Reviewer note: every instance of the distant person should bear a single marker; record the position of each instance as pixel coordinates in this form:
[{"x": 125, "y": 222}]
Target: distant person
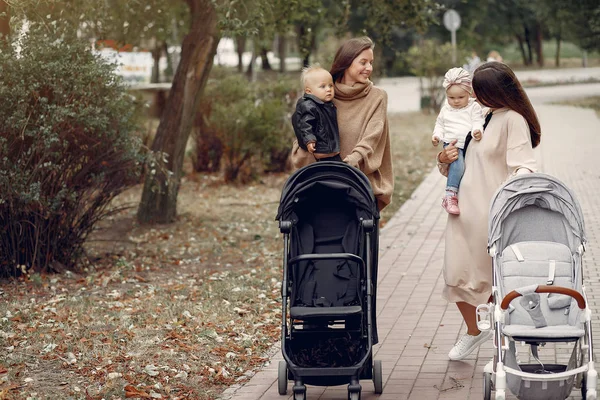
[
  {"x": 362, "y": 119},
  {"x": 494, "y": 56},
  {"x": 505, "y": 150},
  {"x": 472, "y": 62},
  {"x": 315, "y": 119},
  {"x": 459, "y": 116}
]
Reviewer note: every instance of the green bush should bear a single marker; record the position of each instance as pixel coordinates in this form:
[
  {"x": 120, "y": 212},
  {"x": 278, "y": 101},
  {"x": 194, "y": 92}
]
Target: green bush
[
  {"x": 429, "y": 61},
  {"x": 247, "y": 124},
  {"x": 273, "y": 120},
  {"x": 66, "y": 150}
]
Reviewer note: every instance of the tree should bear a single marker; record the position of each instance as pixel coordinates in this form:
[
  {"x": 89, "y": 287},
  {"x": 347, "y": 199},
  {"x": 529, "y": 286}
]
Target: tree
[
  {"x": 209, "y": 20},
  {"x": 159, "y": 198},
  {"x": 584, "y": 23}
]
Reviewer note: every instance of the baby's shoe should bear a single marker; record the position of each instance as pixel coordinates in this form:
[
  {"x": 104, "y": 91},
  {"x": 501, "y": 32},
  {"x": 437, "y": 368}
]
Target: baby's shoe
[{"x": 450, "y": 204}]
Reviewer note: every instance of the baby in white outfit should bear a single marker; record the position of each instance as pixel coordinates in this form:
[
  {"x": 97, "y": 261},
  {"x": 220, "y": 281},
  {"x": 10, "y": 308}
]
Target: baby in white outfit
[{"x": 459, "y": 115}]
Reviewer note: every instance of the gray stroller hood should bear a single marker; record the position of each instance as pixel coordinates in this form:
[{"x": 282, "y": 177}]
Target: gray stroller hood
[{"x": 535, "y": 207}]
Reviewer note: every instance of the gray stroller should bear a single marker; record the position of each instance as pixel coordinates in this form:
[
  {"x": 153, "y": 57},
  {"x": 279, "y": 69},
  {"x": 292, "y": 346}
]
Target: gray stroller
[{"x": 537, "y": 239}]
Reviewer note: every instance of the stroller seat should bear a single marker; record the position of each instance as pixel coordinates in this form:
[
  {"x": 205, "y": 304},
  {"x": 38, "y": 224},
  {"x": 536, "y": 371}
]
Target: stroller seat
[
  {"x": 524, "y": 266},
  {"x": 565, "y": 333},
  {"x": 327, "y": 288}
]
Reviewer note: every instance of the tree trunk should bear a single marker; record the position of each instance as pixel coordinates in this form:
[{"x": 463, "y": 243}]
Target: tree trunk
[
  {"x": 522, "y": 48},
  {"x": 250, "y": 71},
  {"x": 539, "y": 45},
  {"x": 169, "y": 58},
  {"x": 156, "y": 53},
  {"x": 558, "y": 43},
  {"x": 282, "y": 51},
  {"x": 4, "y": 21},
  {"x": 305, "y": 43},
  {"x": 266, "y": 65},
  {"x": 159, "y": 197},
  {"x": 240, "y": 47},
  {"x": 528, "y": 41}
]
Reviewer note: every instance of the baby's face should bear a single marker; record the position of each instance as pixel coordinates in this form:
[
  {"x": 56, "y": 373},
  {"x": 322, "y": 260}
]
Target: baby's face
[
  {"x": 320, "y": 84},
  {"x": 457, "y": 96}
]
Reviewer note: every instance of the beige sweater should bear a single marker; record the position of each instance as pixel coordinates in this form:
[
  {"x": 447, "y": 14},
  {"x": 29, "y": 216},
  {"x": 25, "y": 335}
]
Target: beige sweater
[{"x": 364, "y": 137}]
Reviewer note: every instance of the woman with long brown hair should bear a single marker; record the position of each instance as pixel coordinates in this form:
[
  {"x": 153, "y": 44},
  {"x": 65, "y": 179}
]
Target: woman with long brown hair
[
  {"x": 511, "y": 132},
  {"x": 362, "y": 119}
]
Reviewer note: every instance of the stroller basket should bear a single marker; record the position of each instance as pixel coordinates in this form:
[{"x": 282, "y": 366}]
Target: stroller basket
[{"x": 539, "y": 381}]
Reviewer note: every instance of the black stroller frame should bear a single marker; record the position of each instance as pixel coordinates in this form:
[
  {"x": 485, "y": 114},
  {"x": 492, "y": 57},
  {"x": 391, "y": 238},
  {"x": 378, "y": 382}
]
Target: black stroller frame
[{"x": 303, "y": 325}]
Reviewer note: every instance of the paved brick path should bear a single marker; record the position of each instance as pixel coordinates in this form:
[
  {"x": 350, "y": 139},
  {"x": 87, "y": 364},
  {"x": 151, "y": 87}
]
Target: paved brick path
[{"x": 417, "y": 327}]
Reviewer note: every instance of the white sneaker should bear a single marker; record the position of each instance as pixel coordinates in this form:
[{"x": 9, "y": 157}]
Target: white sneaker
[{"x": 467, "y": 344}]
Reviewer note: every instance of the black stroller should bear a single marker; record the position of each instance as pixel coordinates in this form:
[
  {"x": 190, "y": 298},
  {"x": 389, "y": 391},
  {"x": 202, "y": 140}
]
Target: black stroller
[{"x": 329, "y": 220}]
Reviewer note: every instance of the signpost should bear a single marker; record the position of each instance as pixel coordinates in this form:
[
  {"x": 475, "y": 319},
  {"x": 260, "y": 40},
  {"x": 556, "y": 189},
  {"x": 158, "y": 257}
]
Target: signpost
[{"x": 452, "y": 23}]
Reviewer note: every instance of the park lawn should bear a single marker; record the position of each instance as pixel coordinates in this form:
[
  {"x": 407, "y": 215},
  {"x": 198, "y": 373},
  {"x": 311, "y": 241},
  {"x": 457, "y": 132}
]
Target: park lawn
[
  {"x": 592, "y": 102},
  {"x": 178, "y": 311}
]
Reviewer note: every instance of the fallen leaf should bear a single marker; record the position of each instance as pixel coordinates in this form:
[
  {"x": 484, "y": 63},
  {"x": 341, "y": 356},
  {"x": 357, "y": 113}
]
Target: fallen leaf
[
  {"x": 114, "y": 375},
  {"x": 150, "y": 369},
  {"x": 132, "y": 391}
]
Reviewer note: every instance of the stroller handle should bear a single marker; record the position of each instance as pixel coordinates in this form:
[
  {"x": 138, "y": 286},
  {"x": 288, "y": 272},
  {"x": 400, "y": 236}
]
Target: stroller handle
[{"x": 546, "y": 289}]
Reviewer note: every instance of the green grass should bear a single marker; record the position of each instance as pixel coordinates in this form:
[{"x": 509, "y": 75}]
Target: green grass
[
  {"x": 571, "y": 55},
  {"x": 412, "y": 153},
  {"x": 592, "y": 102}
]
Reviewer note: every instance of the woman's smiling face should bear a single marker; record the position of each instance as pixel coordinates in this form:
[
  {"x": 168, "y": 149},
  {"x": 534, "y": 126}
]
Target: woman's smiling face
[{"x": 360, "y": 70}]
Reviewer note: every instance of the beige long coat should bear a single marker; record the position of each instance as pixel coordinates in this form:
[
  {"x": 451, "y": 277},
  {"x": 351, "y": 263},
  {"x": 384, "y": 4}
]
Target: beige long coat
[
  {"x": 504, "y": 148},
  {"x": 364, "y": 137}
]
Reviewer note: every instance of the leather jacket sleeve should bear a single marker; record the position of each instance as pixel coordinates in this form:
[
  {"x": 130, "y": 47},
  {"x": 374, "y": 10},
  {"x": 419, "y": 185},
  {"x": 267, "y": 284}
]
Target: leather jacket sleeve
[{"x": 305, "y": 123}]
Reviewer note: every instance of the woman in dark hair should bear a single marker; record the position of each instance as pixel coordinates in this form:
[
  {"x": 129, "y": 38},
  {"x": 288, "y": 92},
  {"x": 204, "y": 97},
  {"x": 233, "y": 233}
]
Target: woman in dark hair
[
  {"x": 362, "y": 119},
  {"x": 511, "y": 132}
]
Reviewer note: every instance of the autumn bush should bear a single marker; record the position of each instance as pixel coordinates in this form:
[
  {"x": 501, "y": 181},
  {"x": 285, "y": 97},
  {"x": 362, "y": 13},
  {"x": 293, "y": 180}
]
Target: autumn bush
[
  {"x": 242, "y": 126},
  {"x": 67, "y": 148}
]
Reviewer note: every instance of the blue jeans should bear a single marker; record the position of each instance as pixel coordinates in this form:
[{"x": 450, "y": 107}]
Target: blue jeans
[{"x": 456, "y": 171}]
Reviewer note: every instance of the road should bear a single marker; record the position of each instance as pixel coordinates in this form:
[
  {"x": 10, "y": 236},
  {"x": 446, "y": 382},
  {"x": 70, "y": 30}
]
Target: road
[{"x": 404, "y": 93}]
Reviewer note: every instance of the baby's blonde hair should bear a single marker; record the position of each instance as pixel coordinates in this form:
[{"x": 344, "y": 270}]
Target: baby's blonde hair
[{"x": 307, "y": 70}]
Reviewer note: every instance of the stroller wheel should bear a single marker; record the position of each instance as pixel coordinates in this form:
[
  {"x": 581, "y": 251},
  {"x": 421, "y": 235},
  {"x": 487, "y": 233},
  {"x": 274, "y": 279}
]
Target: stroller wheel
[
  {"x": 377, "y": 377},
  {"x": 487, "y": 386},
  {"x": 584, "y": 385},
  {"x": 282, "y": 377},
  {"x": 300, "y": 396},
  {"x": 353, "y": 395}
]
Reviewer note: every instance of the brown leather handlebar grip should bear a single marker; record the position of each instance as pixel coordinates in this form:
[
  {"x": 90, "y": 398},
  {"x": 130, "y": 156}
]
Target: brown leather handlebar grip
[{"x": 546, "y": 289}]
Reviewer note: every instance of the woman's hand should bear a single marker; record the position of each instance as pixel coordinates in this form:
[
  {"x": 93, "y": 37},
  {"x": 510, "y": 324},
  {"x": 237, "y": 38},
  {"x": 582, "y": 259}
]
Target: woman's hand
[{"x": 449, "y": 154}]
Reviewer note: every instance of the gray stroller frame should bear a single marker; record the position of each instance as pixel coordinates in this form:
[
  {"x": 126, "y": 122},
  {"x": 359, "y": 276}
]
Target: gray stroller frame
[{"x": 537, "y": 240}]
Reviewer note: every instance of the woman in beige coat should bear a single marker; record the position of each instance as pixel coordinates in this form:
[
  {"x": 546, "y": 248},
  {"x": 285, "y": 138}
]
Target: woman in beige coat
[
  {"x": 362, "y": 119},
  {"x": 511, "y": 132},
  {"x": 363, "y": 126}
]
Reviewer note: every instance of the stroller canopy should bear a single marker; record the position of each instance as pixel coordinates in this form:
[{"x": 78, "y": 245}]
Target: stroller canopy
[
  {"x": 323, "y": 179},
  {"x": 535, "y": 207}
]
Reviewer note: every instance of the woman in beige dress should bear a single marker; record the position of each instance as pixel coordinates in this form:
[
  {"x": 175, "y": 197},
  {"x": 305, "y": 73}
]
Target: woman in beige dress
[{"x": 506, "y": 149}]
